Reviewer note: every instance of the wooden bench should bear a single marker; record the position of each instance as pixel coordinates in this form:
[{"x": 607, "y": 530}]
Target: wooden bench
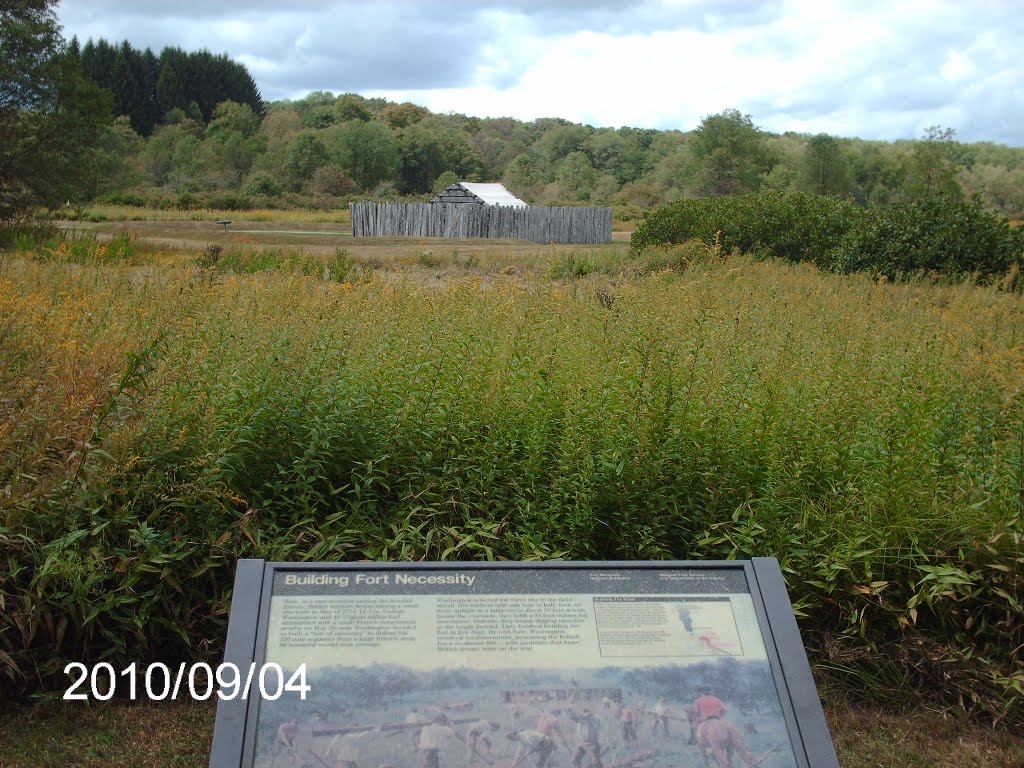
[{"x": 226, "y": 223}]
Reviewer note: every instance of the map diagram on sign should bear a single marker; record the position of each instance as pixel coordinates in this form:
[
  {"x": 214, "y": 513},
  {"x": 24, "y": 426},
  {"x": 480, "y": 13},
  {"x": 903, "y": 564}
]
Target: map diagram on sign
[{"x": 666, "y": 626}]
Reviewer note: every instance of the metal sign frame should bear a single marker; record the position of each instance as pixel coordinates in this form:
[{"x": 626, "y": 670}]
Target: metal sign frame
[{"x": 234, "y": 737}]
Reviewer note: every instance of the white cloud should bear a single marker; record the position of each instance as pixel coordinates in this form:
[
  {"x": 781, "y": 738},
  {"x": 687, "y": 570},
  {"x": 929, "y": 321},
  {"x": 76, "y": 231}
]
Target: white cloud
[{"x": 871, "y": 69}]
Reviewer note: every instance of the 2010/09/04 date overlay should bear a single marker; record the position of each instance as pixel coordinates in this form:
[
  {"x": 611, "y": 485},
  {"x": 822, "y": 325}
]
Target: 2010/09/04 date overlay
[{"x": 159, "y": 682}]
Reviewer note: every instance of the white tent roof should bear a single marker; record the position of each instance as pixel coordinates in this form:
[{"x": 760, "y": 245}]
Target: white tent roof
[{"x": 493, "y": 194}]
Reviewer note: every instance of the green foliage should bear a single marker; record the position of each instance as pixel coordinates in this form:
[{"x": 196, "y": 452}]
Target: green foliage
[
  {"x": 560, "y": 142},
  {"x": 229, "y": 118},
  {"x": 868, "y": 435},
  {"x": 304, "y": 155},
  {"x": 262, "y": 183},
  {"x": 368, "y": 152},
  {"x": 622, "y": 154},
  {"x": 332, "y": 180},
  {"x": 576, "y": 175},
  {"x": 932, "y": 173},
  {"x": 570, "y": 265},
  {"x": 936, "y": 234},
  {"x": 444, "y": 181},
  {"x": 680, "y": 257},
  {"x": 524, "y": 176},
  {"x": 429, "y": 147},
  {"x": 351, "y": 106},
  {"x": 825, "y": 166},
  {"x": 147, "y": 87},
  {"x": 402, "y": 115},
  {"x": 402, "y": 149},
  {"x": 52, "y": 121},
  {"x": 244, "y": 262},
  {"x": 732, "y": 151},
  {"x": 343, "y": 267},
  {"x": 794, "y": 226}
]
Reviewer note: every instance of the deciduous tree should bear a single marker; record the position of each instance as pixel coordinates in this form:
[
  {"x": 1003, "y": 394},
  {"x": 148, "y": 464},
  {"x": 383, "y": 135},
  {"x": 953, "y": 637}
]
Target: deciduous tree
[
  {"x": 368, "y": 151},
  {"x": 304, "y": 155},
  {"x": 733, "y": 152},
  {"x": 931, "y": 173},
  {"x": 825, "y": 168}
]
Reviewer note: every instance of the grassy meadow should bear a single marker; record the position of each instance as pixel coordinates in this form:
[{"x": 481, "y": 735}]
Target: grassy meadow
[{"x": 164, "y": 411}]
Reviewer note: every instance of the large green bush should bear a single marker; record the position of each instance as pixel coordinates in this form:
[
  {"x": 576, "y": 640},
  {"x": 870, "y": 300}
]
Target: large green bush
[
  {"x": 795, "y": 226},
  {"x": 942, "y": 235}
]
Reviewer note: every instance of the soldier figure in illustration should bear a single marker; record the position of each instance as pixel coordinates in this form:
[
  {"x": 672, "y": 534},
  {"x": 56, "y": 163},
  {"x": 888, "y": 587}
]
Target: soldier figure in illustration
[
  {"x": 588, "y": 732},
  {"x": 478, "y": 743},
  {"x": 432, "y": 736},
  {"x": 660, "y": 712},
  {"x": 707, "y": 707},
  {"x": 415, "y": 718},
  {"x": 532, "y": 743},
  {"x": 547, "y": 723},
  {"x": 717, "y": 737},
  {"x": 286, "y": 735},
  {"x": 627, "y": 716}
]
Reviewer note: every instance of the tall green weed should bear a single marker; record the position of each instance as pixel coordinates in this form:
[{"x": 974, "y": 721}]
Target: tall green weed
[{"x": 870, "y": 436}]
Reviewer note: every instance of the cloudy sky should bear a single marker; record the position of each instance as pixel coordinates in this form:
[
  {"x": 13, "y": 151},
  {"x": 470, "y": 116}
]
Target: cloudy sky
[{"x": 860, "y": 68}]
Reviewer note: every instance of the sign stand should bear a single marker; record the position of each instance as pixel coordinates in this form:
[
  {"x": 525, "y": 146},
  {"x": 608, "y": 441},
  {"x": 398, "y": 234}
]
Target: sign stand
[{"x": 644, "y": 663}]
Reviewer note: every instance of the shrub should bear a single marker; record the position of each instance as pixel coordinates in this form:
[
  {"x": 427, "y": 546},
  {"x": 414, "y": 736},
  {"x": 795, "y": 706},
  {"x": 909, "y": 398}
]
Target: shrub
[
  {"x": 341, "y": 267},
  {"x": 263, "y": 184},
  {"x": 942, "y": 235},
  {"x": 332, "y": 180},
  {"x": 129, "y": 198},
  {"x": 571, "y": 264},
  {"x": 227, "y": 200},
  {"x": 795, "y": 226}
]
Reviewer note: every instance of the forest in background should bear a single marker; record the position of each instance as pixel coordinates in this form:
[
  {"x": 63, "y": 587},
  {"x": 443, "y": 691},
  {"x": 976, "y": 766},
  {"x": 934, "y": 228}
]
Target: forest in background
[{"x": 192, "y": 131}]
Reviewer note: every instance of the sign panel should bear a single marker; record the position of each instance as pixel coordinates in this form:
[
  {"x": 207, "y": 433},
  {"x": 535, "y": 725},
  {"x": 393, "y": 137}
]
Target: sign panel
[{"x": 577, "y": 665}]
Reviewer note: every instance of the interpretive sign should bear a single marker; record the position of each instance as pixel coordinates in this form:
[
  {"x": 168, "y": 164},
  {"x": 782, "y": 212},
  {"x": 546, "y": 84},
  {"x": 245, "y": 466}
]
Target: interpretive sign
[{"x": 540, "y": 665}]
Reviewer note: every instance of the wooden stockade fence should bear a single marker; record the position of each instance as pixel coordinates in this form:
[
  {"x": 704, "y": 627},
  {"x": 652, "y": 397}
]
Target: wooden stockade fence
[{"x": 542, "y": 225}]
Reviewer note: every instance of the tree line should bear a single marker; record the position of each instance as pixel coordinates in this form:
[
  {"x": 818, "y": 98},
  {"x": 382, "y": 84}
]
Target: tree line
[
  {"x": 191, "y": 129},
  {"x": 326, "y": 146}
]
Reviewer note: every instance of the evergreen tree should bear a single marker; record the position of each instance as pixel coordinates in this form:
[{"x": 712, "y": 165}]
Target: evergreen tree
[{"x": 147, "y": 87}]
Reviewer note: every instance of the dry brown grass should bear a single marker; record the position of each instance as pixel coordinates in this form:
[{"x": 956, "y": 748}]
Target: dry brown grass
[
  {"x": 430, "y": 258},
  {"x": 131, "y": 213}
]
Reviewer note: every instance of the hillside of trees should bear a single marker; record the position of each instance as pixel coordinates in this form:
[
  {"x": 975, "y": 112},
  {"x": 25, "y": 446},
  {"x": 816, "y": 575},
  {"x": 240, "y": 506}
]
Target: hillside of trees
[{"x": 193, "y": 131}]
